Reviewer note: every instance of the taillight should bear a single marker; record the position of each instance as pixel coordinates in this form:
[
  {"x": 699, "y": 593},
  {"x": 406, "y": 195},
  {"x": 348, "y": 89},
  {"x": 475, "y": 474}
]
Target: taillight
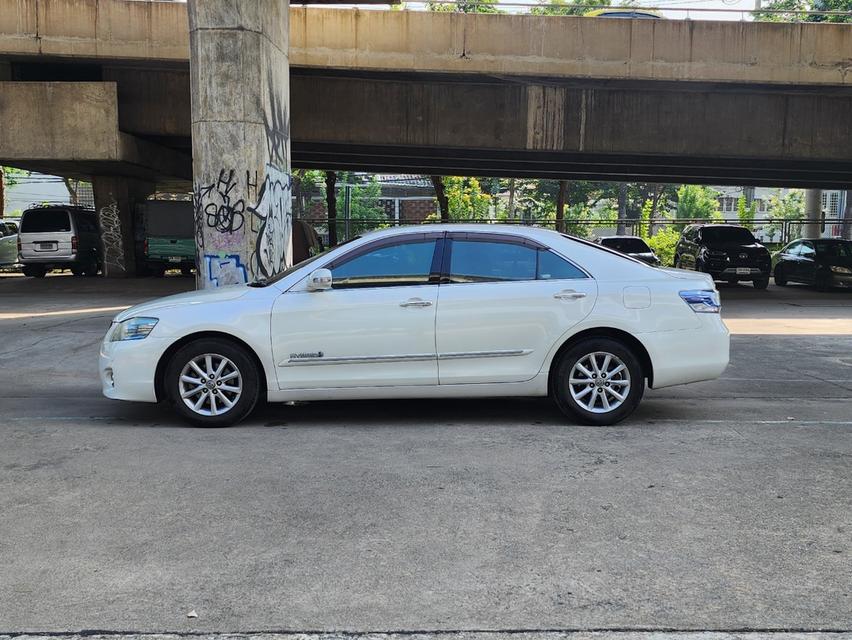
[
  {"x": 19, "y": 244},
  {"x": 145, "y": 246},
  {"x": 74, "y": 244}
]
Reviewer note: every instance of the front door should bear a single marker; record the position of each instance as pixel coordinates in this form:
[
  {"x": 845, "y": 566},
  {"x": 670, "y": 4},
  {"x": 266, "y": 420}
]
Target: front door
[
  {"x": 374, "y": 327},
  {"x": 503, "y": 304}
]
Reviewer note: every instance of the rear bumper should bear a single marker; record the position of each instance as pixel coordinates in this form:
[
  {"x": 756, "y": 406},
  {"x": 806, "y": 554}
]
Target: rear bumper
[
  {"x": 690, "y": 355},
  {"x": 50, "y": 260},
  {"x": 732, "y": 273}
]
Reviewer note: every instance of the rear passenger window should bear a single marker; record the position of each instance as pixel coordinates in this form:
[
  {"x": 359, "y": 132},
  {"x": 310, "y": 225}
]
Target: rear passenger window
[
  {"x": 494, "y": 261},
  {"x": 45, "y": 221},
  {"x": 475, "y": 261},
  {"x": 554, "y": 267}
]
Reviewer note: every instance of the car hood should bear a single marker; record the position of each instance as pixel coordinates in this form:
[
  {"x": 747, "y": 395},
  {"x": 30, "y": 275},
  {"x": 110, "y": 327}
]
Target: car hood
[
  {"x": 191, "y": 297},
  {"x": 729, "y": 248}
]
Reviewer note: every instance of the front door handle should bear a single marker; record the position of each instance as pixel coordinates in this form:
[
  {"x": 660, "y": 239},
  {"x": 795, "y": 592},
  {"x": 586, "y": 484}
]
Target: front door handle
[
  {"x": 416, "y": 302},
  {"x": 569, "y": 294}
]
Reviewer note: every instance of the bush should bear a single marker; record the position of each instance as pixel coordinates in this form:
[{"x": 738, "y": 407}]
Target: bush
[{"x": 663, "y": 244}]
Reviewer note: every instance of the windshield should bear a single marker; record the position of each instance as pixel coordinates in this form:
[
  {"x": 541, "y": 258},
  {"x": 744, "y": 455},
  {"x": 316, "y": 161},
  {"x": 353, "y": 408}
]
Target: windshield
[
  {"x": 283, "y": 274},
  {"x": 838, "y": 249},
  {"x": 45, "y": 221},
  {"x": 626, "y": 245},
  {"x": 727, "y": 235}
]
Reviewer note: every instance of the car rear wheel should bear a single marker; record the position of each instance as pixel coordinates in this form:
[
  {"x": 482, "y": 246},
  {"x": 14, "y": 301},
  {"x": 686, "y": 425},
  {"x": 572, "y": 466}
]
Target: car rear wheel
[
  {"x": 780, "y": 277},
  {"x": 212, "y": 382},
  {"x": 598, "y": 381},
  {"x": 761, "y": 284}
]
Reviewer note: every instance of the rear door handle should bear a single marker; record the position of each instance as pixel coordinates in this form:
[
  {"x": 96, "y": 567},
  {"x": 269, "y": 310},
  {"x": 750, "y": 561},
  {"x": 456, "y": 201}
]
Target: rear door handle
[
  {"x": 569, "y": 294},
  {"x": 416, "y": 302}
]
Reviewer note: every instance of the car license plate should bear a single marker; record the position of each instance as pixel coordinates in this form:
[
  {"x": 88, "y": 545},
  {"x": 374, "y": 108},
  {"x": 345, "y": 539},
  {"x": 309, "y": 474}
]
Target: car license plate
[
  {"x": 743, "y": 271},
  {"x": 174, "y": 259},
  {"x": 45, "y": 246}
]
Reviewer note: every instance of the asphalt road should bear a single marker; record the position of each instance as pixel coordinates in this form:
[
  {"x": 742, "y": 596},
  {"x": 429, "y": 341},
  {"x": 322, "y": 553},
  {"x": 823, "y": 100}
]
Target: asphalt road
[{"x": 719, "y": 506}]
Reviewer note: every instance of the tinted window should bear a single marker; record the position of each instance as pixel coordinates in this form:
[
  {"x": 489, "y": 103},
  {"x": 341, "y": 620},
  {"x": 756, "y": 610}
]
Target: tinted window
[
  {"x": 722, "y": 235},
  {"x": 834, "y": 249},
  {"x": 475, "y": 261},
  {"x": 45, "y": 221},
  {"x": 626, "y": 245},
  {"x": 554, "y": 267},
  {"x": 793, "y": 249},
  {"x": 807, "y": 250},
  {"x": 391, "y": 265}
]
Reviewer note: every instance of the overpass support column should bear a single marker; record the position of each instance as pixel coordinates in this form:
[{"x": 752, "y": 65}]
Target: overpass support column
[
  {"x": 115, "y": 202},
  {"x": 239, "y": 72},
  {"x": 813, "y": 213}
]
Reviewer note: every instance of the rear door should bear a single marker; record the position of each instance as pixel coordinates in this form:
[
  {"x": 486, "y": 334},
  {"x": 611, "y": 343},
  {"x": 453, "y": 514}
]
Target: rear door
[
  {"x": 46, "y": 234},
  {"x": 503, "y": 302},
  {"x": 807, "y": 266}
]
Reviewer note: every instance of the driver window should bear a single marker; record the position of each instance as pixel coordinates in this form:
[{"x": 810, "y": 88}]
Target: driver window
[
  {"x": 406, "y": 263},
  {"x": 807, "y": 250}
]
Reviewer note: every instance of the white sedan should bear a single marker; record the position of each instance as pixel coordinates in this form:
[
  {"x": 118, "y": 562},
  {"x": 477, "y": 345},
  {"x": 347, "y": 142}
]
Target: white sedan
[{"x": 426, "y": 312}]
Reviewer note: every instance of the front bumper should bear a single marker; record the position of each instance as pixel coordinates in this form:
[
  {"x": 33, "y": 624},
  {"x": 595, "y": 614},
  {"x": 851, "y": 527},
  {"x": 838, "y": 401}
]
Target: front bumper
[
  {"x": 690, "y": 355},
  {"x": 128, "y": 369},
  {"x": 841, "y": 280},
  {"x": 732, "y": 273}
]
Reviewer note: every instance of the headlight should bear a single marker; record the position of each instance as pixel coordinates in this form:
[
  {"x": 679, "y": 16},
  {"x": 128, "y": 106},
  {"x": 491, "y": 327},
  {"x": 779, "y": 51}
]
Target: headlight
[
  {"x": 702, "y": 300},
  {"x": 132, "y": 329},
  {"x": 839, "y": 269}
]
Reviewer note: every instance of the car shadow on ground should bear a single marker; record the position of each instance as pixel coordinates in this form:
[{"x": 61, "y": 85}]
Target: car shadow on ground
[{"x": 395, "y": 413}]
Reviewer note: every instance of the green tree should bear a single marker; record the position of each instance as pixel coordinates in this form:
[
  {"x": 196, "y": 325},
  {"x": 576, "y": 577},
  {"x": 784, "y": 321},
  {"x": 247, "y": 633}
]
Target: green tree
[
  {"x": 466, "y": 199},
  {"x": 663, "y": 244},
  {"x": 9, "y": 176},
  {"x": 465, "y": 6},
  {"x": 785, "y": 209},
  {"x": 572, "y": 7},
  {"x": 746, "y": 213},
  {"x": 795, "y": 11},
  {"x": 695, "y": 202}
]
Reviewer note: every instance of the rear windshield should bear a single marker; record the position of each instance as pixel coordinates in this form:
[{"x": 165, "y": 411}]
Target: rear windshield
[
  {"x": 626, "y": 245},
  {"x": 834, "y": 249},
  {"x": 45, "y": 221},
  {"x": 734, "y": 235}
]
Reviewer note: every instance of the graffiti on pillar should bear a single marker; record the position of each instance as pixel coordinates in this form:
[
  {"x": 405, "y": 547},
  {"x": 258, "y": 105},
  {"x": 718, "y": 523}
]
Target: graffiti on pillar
[
  {"x": 272, "y": 220},
  {"x": 224, "y": 270},
  {"x": 110, "y": 222}
]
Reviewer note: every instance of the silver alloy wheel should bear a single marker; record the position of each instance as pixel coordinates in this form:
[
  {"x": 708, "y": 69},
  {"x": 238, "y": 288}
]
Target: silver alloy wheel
[
  {"x": 210, "y": 384},
  {"x": 599, "y": 382}
]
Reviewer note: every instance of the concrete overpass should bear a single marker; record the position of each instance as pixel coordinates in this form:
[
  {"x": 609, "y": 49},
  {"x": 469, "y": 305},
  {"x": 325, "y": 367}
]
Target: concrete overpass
[
  {"x": 101, "y": 89},
  {"x": 734, "y": 102}
]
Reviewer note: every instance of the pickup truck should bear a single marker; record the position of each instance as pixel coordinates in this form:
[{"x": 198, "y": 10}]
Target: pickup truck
[{"x": 168, "y": 236}]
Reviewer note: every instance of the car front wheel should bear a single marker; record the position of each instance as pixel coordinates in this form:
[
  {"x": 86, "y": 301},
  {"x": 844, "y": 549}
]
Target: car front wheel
[
  {"x": 598, "y": 381},
  {"x": 212, "y": 382}
]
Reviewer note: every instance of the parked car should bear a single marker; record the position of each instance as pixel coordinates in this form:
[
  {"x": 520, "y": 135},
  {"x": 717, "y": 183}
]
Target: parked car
[
  {"x": 59, "y": 237},
  {"x": 8, "y": 243},
  {"x": 726, "y": 252},
  {"x": 824, "y": 263},
  {"x": 167, "y": 229},
  {"x": 633, "y": 246},
  {"x": 521, "y": 312}
]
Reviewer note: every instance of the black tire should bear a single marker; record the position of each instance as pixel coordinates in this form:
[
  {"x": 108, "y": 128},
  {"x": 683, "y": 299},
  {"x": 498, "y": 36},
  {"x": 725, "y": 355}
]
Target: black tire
[
  {"x": 243, "y": 363},
  {"x": 34, "y": 271},
  {"x": 677, "y": 264},
  {"x": 186, "y": 271},
  {"x": 157, "y": 270},
  {"x": 561, "y": 391},
  {"x": 761, "y": 284},
  {"x": 780, "y": 278}
]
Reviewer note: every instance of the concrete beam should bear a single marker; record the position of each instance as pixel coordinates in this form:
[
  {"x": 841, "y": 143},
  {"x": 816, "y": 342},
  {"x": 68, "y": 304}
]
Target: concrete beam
[
  {"x": 458, "y": 43},
  {"x": 72, "y": 128}
]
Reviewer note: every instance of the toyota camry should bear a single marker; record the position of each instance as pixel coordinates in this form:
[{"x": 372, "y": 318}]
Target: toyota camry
[{"x": 443, "y": 311}]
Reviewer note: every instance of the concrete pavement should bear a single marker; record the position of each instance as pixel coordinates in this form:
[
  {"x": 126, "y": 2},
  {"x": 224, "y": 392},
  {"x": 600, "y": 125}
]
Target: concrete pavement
[{"x": 720, "y": 506}]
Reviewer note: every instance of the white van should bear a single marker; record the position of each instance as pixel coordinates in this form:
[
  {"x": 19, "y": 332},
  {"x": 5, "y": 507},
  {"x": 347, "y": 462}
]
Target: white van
[{"x": 59, "y": 237}]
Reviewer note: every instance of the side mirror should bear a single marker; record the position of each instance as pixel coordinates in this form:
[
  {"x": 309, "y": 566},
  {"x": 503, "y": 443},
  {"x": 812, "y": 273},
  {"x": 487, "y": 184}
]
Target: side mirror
[{"x": 319, "y": 280}]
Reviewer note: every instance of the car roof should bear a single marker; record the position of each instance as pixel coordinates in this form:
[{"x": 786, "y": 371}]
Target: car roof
[{"x": 467, "y": 227}]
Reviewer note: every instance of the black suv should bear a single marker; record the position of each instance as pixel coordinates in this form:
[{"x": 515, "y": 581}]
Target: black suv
[{"x": 727, "y": 252}]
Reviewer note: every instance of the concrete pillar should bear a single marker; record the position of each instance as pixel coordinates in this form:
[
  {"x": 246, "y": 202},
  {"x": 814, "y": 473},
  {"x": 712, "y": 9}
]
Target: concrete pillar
[
  {"x": 115, "y": 202},
  {"x": 239, "y": 72},
  {"x": 813, "y": 213}
]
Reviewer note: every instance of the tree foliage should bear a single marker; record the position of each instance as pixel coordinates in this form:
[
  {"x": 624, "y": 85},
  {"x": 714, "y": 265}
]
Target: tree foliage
[
  {"x": 696, "y": 202},
  {"x": 795, "y": 11},
  {"x": 465, "y": 6},
  {"x": 572, "y": 7}
]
